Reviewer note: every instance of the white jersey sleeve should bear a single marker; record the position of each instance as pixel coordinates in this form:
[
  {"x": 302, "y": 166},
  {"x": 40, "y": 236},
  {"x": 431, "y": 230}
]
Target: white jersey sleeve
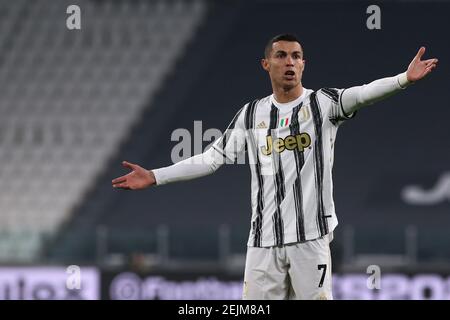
[
  {"x": 346, "y": 102},
  {"x": 232, "y": 143},
  {"x": 357, "y": 97},
  {"x": 334, "y": 107},
  {"x": 227, "y": 146}
]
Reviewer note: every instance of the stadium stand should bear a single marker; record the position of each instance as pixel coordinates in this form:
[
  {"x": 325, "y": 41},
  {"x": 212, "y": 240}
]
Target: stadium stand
[{"x": 69, "y": 98}]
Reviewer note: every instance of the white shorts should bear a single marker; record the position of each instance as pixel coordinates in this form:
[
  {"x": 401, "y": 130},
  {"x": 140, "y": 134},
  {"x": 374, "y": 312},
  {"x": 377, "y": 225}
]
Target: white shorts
[{"x": 293, "y": 271}]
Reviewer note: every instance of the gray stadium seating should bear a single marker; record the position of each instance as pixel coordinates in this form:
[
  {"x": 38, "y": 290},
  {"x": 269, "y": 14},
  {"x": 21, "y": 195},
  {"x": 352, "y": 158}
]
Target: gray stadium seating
[{"x": 68, "y": 99}]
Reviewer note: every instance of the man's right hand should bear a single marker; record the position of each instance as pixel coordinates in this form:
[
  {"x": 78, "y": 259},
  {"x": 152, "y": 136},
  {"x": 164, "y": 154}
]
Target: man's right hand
[{"x": 138, "y": 178}]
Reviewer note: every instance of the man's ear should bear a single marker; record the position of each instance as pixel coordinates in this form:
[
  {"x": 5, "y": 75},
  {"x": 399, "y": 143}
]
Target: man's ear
[
  {"x": 304, "y": 65},
  {"x": 265, "y": 64}
]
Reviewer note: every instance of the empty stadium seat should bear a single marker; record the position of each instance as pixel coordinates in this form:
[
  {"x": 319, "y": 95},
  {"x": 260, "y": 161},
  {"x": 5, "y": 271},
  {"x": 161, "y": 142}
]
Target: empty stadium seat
[{"x": 68, "y": 99}]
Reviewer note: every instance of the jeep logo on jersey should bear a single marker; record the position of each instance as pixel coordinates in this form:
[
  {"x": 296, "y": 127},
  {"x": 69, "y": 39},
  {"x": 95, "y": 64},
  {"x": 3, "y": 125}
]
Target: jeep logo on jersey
[{"x": 299, "y": 141}]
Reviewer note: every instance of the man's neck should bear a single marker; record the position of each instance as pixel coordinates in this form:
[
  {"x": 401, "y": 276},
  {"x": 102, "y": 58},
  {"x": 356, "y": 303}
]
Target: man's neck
[{"x": 283, "y": 96}]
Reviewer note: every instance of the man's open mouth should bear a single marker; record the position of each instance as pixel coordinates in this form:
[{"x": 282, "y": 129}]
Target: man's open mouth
[{"x": 289, "y": 75}]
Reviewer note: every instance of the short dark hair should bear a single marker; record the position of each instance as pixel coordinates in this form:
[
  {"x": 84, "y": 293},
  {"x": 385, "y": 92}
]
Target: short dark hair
[{"x": 281, "y": 37}]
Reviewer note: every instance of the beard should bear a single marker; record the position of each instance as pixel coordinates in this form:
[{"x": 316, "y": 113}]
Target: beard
[{"x": 289, "y": 86}]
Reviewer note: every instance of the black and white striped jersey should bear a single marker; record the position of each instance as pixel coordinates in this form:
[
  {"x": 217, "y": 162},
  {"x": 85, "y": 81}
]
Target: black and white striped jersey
[{"x": 290, "y": 150}]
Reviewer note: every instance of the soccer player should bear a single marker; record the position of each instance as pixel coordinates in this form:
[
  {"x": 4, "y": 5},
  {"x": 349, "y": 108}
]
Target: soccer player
[{"x": 289, "y": 137}]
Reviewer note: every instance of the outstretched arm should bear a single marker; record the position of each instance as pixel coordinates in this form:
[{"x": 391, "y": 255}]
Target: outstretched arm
[
  {"x": 191, "y": 168},
  {"x": 194, "y": 167},
  {"x": 355, "y": 98},
  {"x": 228, "y": 146}
]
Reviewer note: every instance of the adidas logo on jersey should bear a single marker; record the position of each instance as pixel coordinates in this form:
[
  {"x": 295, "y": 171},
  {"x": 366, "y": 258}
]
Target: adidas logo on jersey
[
  {"x": 261, "y": 125},
  {"x": 299, "y": 141}
]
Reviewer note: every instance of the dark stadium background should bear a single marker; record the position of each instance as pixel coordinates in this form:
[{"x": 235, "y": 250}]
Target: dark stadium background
[{"x": 75, "y": 103}]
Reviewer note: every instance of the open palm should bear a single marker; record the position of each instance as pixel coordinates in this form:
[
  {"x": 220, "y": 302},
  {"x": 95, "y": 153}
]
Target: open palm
[
  {"x": 419, "y": 69},
  {"x": 138, "y": 178}
]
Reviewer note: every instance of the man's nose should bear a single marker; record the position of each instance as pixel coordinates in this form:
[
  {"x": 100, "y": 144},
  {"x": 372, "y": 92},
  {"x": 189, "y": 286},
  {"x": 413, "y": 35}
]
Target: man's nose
[{"x": 289, "y": 61}]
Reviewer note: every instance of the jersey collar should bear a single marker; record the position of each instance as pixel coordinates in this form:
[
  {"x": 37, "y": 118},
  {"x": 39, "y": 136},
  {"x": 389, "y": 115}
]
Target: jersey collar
[{"x": 289, "y": 105}]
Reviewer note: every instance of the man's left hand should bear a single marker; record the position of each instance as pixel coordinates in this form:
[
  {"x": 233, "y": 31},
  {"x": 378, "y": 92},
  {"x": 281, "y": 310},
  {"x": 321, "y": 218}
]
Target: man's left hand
[{"x": 419, "y": 69}]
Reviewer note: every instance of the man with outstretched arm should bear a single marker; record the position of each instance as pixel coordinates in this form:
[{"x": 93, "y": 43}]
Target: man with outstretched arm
[{"x": 290, "y": 137}]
